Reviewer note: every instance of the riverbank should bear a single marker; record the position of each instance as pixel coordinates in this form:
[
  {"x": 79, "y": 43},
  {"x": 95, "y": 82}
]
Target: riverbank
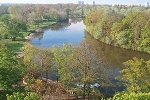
[
  {"x": 15, "y": 46},
  {"x": 119, "y": 46}
]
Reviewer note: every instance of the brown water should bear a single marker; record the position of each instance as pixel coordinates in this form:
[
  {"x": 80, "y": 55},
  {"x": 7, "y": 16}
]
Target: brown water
[{"x": 113, "y": 57}]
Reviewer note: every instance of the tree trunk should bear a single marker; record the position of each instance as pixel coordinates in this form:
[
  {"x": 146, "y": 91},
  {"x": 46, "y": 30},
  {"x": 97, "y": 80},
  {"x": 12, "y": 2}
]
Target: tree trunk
[
  {"x": 47, "y": 76},
  {"x": 84, "y": 91}
]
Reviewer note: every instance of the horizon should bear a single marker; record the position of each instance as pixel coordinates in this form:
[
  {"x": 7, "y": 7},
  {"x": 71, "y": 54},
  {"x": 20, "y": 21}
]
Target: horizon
[{"x": 109, "y": 2}]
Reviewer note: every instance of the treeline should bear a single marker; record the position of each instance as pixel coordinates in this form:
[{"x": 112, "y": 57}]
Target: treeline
[
  {"x": 21, "y": 19},
  {"x": 30, "y": 12},
  {"x": 122, "y": 26}
]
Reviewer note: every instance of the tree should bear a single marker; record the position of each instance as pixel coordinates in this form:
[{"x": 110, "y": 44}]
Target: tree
[
  {"x": 22, "y": 12},
  {"x": 135, "y": 22},
  {"x": 37, "y": 60},
  {"x": 136, "y": 75},
  {"x": 62, "y": 59},
  {"x": 13, "y": 26},
  {"x": 11, "y": 68},
  {"x": 88, "y": 70},
  {"x": 144, "y": 41},
  {"x": 40, "y": 10}
]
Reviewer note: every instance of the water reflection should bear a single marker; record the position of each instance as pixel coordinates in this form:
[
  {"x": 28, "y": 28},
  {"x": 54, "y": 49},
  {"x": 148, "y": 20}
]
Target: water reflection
[
  {"x": 113, "y": 56},
  {"x": 75, "y": 20},
  {"x": 72, "y": 31}
]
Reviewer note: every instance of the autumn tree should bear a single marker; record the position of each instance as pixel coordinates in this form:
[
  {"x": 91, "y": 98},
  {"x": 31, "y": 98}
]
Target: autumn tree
[
  {"x": 40, "y": 10},
  {"x": 88, "y": 70},
  {"x": 37, "y": 60},
  {"x": 22, "y": 12}
]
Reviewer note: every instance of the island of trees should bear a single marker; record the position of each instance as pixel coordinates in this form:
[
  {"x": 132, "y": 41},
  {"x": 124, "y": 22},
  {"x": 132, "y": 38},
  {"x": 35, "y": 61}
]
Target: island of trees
[{"x": 79, "y": 73}]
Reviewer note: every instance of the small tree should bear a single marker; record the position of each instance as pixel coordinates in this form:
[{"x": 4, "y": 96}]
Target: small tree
[{"x": 13, "y": 27}]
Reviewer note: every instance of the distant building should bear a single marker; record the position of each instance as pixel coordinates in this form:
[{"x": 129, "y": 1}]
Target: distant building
[
  {"x": 80, "y": 2},
  {"x": 83, "y": 2},
  {"x": 0, "y": 4},
  {"x": 93, "y": 2},
  {"x": 146, "y": 4}
]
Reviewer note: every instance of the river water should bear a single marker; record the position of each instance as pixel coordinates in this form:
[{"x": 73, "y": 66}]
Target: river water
[{"x": 74, "y": 32}]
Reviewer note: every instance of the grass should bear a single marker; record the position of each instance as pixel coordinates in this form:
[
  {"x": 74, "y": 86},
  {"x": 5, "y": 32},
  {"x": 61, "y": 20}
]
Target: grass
[
  {"x": 32, "y": 27},
  {"x": 16, "y": 45}
]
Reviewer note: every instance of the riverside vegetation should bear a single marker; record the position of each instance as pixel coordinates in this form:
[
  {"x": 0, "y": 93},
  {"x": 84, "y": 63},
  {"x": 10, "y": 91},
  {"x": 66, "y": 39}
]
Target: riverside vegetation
[
  {"x": 126, "y": 27},
  {"x": 79, "y": 73}
]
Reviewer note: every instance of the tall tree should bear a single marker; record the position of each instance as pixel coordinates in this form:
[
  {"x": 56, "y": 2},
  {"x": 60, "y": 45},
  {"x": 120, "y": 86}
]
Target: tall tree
[
  {"x": 88, "y": 70},
  {"x": 62, "y": 59},
  {"x": 11, "y": 68}
]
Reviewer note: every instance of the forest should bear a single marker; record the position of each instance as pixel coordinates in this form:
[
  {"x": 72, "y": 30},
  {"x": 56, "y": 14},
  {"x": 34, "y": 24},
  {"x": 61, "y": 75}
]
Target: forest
[
  {"x": 122, "y": 26},
  {"x": 78, "y": 74}
]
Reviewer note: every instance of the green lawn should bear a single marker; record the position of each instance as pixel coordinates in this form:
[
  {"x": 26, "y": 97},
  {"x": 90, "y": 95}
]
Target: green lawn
[
  {"x": 16, "y": 45},
  {"x": 33, "y": 27}
]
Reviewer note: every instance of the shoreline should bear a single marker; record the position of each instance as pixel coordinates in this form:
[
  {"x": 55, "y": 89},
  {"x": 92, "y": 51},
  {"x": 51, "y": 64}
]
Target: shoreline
[{"x": 116, "y": 46}]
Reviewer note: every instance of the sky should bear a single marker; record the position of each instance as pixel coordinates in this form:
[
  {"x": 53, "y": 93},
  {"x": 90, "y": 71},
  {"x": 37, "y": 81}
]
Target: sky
[{"x": 136, "y": 2}]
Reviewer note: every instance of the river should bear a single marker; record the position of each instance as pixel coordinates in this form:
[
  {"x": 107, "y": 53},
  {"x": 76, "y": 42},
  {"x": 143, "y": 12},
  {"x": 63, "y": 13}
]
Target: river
[{"x": 74, "y": 32}]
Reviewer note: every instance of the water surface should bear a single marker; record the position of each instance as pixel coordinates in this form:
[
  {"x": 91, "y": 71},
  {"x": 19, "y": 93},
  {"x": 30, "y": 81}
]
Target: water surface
[{"x": 72, "y": 31}]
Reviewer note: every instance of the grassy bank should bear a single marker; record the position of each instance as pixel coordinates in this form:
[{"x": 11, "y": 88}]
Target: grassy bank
[{"x": 16, "y": 45}]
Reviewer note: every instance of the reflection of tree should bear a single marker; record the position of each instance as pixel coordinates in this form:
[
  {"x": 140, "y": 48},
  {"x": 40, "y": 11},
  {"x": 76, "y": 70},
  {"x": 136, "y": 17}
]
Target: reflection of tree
[
  {"x": 39, "y": 35},
  {"x": 113, "y": 56},
  {"x": 59, "y": 25},
  {"x": 65, "y": 24},
  {"x": 75, "y": 20}
]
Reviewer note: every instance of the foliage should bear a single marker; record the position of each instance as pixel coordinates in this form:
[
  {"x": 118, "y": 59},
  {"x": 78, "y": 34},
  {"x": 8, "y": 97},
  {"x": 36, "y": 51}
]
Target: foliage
[
  {"x": 88, "y": 70},
  {"x": 63, "y": 57},
  {"x": 113, "y": 26},
  {"x": 11, "y": 68},
  {"x": 131, "y": 96},
  {"x": 13, "y": 27},
  {"x": 136, "y": 75},
  {"x": 37, "y": 60},
  {"x": 47, "y": 88},
  {"x": 23, "y": 96}
]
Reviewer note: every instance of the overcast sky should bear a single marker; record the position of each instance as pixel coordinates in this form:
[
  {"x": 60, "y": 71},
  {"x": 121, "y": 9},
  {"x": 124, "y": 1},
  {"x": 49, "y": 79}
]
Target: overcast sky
[{"x": 137, "y": 2}]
